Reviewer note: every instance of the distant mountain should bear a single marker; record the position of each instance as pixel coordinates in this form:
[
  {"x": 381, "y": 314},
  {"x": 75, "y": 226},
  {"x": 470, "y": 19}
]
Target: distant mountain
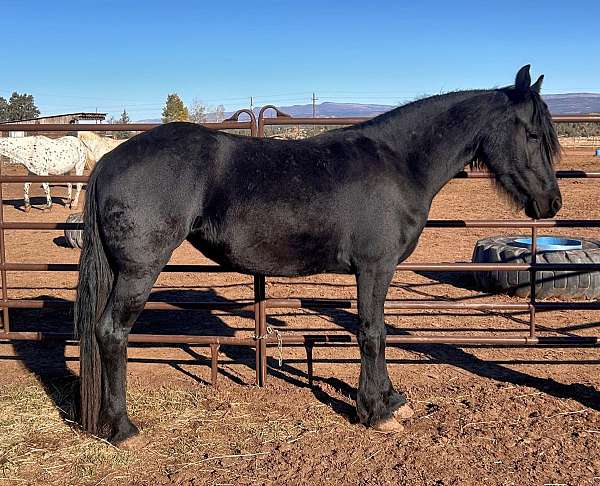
[
  {"x": 559, "y": 104},
  {"x": 330, "y": 109},
  {"x": 323, "y": 110},
  {"x": 575, "y": 103}
]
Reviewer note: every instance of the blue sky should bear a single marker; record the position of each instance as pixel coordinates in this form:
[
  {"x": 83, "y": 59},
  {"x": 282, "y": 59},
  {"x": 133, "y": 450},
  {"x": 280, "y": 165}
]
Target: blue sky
[{"x": 112, "y": 55}]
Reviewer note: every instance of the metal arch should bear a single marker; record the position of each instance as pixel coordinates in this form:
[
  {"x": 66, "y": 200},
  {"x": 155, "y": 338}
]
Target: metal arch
[
  {"x": 261, "y": 117},
  {"x": 236, "y": 118}
]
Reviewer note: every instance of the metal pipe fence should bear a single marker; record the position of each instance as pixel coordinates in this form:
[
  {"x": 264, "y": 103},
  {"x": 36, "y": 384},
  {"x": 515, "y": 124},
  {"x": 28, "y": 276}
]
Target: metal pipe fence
[{"x": 260, "y": 304}]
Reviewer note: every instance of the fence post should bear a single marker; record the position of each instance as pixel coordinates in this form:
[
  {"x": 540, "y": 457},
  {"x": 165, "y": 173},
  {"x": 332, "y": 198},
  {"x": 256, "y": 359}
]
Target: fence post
[
  {"x": 260, "y": 329},
  {"x": 3, "y": 276},
  {"x": 214, "y": 363},
  {"x": 309, "y": 362},
  {"x": 532, "y": 282}
]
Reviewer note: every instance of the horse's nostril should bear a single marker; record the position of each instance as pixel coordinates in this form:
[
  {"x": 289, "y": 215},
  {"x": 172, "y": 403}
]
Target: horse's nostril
[{"x": 557, "y": 204}]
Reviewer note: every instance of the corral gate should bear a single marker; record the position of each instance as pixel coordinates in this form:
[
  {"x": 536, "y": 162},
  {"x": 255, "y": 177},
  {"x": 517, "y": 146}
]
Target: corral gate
[{"x": 260, "y": 304}]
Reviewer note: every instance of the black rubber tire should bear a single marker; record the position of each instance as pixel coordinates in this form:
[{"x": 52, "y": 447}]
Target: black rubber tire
[
  {"x": 564, "y": 284},
  {"x": 74, "y": 237}
]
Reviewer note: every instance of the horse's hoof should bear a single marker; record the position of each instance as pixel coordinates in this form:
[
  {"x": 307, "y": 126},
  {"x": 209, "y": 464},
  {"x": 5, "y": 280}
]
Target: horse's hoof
[
  {"x": 47, "y": 209},
  {"x": 27, "y": 208},
  {"x": 133, "y": 443},
  {"x": 388, "y": 426},
  {"x": 125, "y": 433},
  {"x": 404, "y": 412}
]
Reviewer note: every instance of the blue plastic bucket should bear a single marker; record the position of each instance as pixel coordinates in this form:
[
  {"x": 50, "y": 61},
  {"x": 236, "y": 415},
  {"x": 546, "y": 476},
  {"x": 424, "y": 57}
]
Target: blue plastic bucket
[
  {"x": 549, "y": 243},
  {"x": 597, "y": 152}
]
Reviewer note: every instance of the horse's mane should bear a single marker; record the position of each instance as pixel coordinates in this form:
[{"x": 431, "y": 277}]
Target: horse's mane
[
  {"x": 416, "y": 104},
  {"x": 543, "y": 120}
]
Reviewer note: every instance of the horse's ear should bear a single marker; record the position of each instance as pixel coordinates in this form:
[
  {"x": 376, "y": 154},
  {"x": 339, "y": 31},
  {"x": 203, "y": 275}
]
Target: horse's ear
[
  {"x": 537, "y": 86},
  {"x": 523, "y": 79}
]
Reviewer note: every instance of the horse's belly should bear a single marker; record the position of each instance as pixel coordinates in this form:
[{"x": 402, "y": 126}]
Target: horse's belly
[
  {"x": 293, "y": 255},
  {"x": 60, "y": 165}
]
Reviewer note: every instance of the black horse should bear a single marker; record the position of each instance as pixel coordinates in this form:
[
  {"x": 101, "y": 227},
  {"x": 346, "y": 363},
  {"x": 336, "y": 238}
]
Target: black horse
[{"x": 353, "y": 200}]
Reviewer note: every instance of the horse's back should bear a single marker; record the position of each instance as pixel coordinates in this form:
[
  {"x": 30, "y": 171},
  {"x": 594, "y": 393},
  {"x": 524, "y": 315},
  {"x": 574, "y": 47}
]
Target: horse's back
[
  {"x": 63, "y": 154},
  {"x": 260, "y": 206}
]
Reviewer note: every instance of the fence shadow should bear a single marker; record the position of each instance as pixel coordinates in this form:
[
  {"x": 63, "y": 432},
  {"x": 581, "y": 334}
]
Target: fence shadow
[
  {"x": 47, "y": 361},
  {"x": 586, "y": 395}
]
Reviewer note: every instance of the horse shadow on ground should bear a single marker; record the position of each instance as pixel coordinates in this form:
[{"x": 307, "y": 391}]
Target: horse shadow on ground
[
  {"x": 38, "y": 203},
  {"x": 47, "y": 360},
  {"x": 61, "y": 241}
]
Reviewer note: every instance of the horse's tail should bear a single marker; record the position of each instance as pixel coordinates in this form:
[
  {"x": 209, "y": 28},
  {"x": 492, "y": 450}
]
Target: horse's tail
[{"x": 93, "y": 289}]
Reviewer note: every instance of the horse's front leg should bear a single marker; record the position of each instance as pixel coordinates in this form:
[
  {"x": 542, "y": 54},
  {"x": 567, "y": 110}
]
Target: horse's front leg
[
  {"x": 69, "y": 194},
  {"x": 26, "y": 203},
  {"x": 376, "y": 400},
  {"x": 46, "y": 187},
  {"x": 75, "y": 202}
]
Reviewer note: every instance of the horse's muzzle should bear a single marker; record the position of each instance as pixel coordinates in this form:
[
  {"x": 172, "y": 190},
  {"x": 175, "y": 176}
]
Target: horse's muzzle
[{"x": 535, "y": 210}]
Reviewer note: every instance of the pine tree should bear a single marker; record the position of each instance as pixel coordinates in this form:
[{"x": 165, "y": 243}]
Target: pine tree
[
  {"x": 3, "y": 110},
  {"x": 124, "y": 119},
  {"x": 19, "y": 107},
  {"x": 174, "y": 110}
]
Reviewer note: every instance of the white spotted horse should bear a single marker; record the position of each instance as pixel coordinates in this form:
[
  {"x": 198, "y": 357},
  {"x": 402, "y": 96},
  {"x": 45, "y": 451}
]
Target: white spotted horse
[
  {"x": 353, "y": 201},
  {"x": 45, "y": 156}
]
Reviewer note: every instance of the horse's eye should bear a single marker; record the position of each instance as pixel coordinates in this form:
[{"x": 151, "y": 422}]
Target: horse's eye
[{"x": 532, "y": 136}]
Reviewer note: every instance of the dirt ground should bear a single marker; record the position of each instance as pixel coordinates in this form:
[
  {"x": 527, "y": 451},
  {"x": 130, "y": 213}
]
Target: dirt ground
[{"x": 498, "y": 416}]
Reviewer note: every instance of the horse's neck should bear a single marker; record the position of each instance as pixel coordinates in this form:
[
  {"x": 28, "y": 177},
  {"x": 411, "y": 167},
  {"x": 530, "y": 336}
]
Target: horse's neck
[
  {"x": 435, "y": 138},
  {"x": 91, "y": 141}
]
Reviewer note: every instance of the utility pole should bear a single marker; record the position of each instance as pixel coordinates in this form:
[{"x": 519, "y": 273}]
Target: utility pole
[
  {"x": 314, "y": 99},
  {"x": 251, "y": 104}
]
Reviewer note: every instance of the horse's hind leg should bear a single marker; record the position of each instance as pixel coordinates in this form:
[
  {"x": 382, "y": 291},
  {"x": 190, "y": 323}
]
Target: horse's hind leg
[
  {"x": 376, "y": 400},
  {"x": 46, "y": 187},
  {"x": 125, "y": 303},
  {"x": 79, "y": 168},
  {"x": 75, "y": 202}
]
